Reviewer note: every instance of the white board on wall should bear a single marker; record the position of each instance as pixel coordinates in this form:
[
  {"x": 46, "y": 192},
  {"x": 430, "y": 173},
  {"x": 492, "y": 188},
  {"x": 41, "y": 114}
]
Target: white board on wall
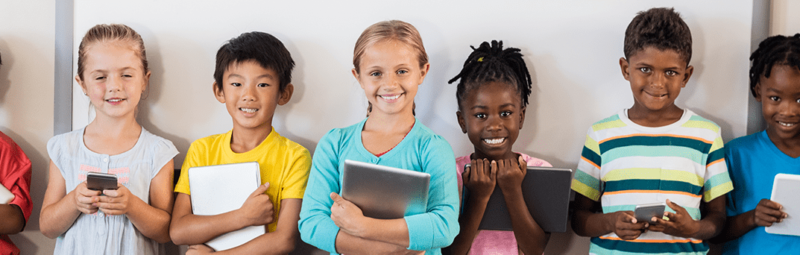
[{"x": 572, "y": 49}]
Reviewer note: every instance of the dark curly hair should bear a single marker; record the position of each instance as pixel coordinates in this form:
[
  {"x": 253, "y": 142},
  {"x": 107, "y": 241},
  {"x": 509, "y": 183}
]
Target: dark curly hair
[
  {"x": 662, "y": 28},
  {"x": 489, "y": 63},
  {"x": 775, "y": 50}
]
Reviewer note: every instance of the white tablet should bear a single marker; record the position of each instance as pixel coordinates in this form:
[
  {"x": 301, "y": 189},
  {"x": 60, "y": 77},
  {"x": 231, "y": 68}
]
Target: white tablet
[
  {"x": 5, "y": 195},
  {"x": 784, "y": 191}
]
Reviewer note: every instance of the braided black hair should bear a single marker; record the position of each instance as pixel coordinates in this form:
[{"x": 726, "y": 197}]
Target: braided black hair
[
  {"x": 775, "y": 50},
  {"x": 490, "y": 63}
]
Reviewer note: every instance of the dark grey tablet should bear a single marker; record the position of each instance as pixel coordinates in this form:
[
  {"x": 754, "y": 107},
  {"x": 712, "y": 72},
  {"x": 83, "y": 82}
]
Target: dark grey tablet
[
  {"x": 384, "y": 192},
  {"x": 546, "y": 193}
]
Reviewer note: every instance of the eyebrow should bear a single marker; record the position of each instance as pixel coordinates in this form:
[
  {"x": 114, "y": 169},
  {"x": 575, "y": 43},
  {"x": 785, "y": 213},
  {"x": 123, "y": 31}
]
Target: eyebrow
[
  {"x": 266, "y": 75},
  {"x": 479, "y": 106}
]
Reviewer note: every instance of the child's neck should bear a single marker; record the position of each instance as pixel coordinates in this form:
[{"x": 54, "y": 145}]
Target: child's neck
[
  {"x": 247, "y": 139},
  {"x": 111, "y": 136},
  {"x": 789, "y": 146},
  {"x": 389, "y": 124},
  {"x": 645, "y": 117}
]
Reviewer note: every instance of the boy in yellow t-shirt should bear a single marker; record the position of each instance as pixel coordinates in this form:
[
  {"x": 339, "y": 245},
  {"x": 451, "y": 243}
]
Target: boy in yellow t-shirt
[{"x": 252, "y": 77}]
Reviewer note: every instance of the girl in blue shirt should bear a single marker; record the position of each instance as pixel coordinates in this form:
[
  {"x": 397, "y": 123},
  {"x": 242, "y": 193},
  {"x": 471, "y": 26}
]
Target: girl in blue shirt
[{"x": 389, "y": 63}]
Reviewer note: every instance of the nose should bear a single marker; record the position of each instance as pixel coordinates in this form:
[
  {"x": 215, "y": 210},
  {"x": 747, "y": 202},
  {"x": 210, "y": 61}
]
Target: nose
[
  {"x": 494, "y": 123},
  {"x": 789, "y": 108},
  {"x": 658, "y": 80},
  {"x": 249, "y": 93},
  {"x": 113, "y": 83}
]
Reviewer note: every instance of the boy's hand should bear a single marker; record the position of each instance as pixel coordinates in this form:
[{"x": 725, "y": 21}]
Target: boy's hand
[
  {"x": 257, "y": 209},
  {"x": 679, "y": 224},
  {"x": 768, "y": 212},
  {"x": 510, "y": 174},
  {"x": 199, "y": 249},
  {"x": 346, "y": 215},
  {"x": 116, "y": 202},
  {"x": 625, "y": 225},
  {"x": 480, "y": 178},
  {"x": 85, "y": 198}
]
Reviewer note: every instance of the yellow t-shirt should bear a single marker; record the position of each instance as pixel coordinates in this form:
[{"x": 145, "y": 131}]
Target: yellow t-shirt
[{"x": 283, "y": 163}]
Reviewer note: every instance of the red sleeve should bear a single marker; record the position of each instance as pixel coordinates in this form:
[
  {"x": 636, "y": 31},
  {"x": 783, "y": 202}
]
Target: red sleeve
[{"x": 15, "y": 174}]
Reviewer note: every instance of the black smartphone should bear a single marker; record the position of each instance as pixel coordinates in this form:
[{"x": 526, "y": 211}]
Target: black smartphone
[
  {"x": 646, "y": 212},
  {"x": 101, "y": 181}
]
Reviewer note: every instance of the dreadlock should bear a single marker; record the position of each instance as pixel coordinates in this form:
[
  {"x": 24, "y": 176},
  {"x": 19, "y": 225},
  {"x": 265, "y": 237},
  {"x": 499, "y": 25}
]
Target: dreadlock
[
  {"x": 492, "y": 63},
  {"x": 775, "y": 50}
]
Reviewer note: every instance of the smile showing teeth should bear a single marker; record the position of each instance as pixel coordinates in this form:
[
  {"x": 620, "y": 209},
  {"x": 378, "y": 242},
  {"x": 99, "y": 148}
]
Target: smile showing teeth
[
  {"x": 786, "y": 124},
  {"x": 494, "y": 141},
  {"x": 114, "y": 100},
  {"x": 248, "y": 110},
  {"x": 390, "y": 97}
]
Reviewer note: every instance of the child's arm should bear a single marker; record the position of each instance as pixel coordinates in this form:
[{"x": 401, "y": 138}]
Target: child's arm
[
  {"x": 531, "y": 239},
  {"x": 586, "y": 221},
  {"x": 681, "y": 223},
  {"x": 13, "y": 219},
  {"x": 18, "y": 177},
  {"x": 152, "y": 220},
  {"x": 187, "y": 228},
  {"x": 480, "y": 180},
  {"x": 766, "y": 213},
  {"x": 59, "y": 208}
]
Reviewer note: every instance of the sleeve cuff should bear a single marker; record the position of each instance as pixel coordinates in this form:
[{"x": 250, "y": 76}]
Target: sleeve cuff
[{"x": 420, "y": 234}]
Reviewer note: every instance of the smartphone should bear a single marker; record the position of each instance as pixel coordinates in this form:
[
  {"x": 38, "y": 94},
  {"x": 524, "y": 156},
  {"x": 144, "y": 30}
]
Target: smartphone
[
  {"x": 646, "y": 212},
  {"x": 101, "y": 181}
]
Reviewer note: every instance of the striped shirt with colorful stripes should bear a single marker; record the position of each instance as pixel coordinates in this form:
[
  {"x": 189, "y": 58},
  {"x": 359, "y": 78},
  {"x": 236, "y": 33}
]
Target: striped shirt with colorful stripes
[{"x": 624, "y": 164}]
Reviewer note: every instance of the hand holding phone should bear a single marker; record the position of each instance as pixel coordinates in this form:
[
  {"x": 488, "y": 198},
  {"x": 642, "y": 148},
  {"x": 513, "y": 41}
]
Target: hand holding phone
[
  {"x": 646, "y": 212},
  {"x": 101, "y": 181}
]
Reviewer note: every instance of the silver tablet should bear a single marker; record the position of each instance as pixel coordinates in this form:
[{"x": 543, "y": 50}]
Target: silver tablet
[
  {"x": 546, "y": 193},
  {"x": 384, "y": 192}
]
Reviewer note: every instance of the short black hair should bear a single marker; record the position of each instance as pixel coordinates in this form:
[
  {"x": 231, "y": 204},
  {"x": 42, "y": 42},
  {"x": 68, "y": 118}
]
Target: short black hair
[
  {"x": 260, "y": 47},
  {"x": 489, "y": 63},
  {"x": 662, "y": 28},
  {"x": 775, "y": 50}
]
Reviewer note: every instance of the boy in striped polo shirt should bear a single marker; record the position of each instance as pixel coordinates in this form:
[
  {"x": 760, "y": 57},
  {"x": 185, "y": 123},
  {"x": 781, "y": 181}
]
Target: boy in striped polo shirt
[{"x": 653, "y": 152}]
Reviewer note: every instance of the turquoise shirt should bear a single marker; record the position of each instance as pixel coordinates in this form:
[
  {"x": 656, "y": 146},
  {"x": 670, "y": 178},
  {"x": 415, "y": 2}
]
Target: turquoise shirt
[{"x": 421, "y": 150}]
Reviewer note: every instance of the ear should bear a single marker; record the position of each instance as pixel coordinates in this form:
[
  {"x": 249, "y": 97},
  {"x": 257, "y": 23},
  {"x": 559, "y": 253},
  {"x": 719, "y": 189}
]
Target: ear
[
  {"x": 146, "y": 82},
  {"x": 286, "y": 94},
  {"x": 687, "y": 75},
  {"x": 623, "y": 66},
  {"x": 757, "y": 89},
  {"x": 218, "y": 93},
  {"x": 80, "y": 83},
  {"x": 423, "y": 72},
  {"x": 355, "y": 75},
  {"x": 522, "y": 117},
  {"x": 461, "y": 122}
]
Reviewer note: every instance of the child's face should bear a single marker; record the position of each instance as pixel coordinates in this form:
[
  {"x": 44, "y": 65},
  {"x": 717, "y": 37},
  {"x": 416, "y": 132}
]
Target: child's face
[
  {"x": 656, "y": 77},
  {"x": 491, "y": 116},
  {"x": 780, "y": 101},
  {"x": 113, "y": 79},
  {"x": 251, "y": 93},
  {"x": 390, "y": 74}
]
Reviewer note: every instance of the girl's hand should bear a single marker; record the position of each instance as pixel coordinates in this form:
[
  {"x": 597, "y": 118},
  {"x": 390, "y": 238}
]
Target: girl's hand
[
  {"x": 625, "y": 225},
  {"x": 510, "y": 174},
  {"x": 679, "y": 224},
  {"x": 116, "y": 202},
  {"x": 346, "y": 215},
  {"x": 257, "y": 209},
  {"x": 85, "y": 199},
  {"x": 768, "y": 212},
  {"x": 480, "y": 177},
  {"x": 199, "y": 249}
]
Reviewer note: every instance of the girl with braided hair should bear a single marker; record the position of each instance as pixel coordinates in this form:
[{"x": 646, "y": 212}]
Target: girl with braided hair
[
  {"x": 754, "y": 160},
  {"x": 492, "y": 96}
]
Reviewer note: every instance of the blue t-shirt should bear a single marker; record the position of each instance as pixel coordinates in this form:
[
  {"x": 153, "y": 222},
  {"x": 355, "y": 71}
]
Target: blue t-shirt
[
  {"x": 421, "y": 150},
  {"x": 753, "y": 161}
]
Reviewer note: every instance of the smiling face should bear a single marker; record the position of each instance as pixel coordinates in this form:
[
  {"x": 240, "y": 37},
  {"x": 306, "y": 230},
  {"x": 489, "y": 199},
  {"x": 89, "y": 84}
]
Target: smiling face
[
  {"x": 390, "y": 74},
  {"x": 491, "y": 115},
  {"x": 114, "y": 79},
  {"x": 780, "y": 102},
  {"x": 251, "y": 93},
  {"x": 656, "y": 78}
]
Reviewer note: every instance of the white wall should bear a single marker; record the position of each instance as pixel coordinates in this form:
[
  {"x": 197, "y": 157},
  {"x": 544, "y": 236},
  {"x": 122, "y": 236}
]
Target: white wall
[
  {"x": 26, "y": 98},
  {"x": 572, "y": 50},
  {"x": 785, "y": 20}
]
